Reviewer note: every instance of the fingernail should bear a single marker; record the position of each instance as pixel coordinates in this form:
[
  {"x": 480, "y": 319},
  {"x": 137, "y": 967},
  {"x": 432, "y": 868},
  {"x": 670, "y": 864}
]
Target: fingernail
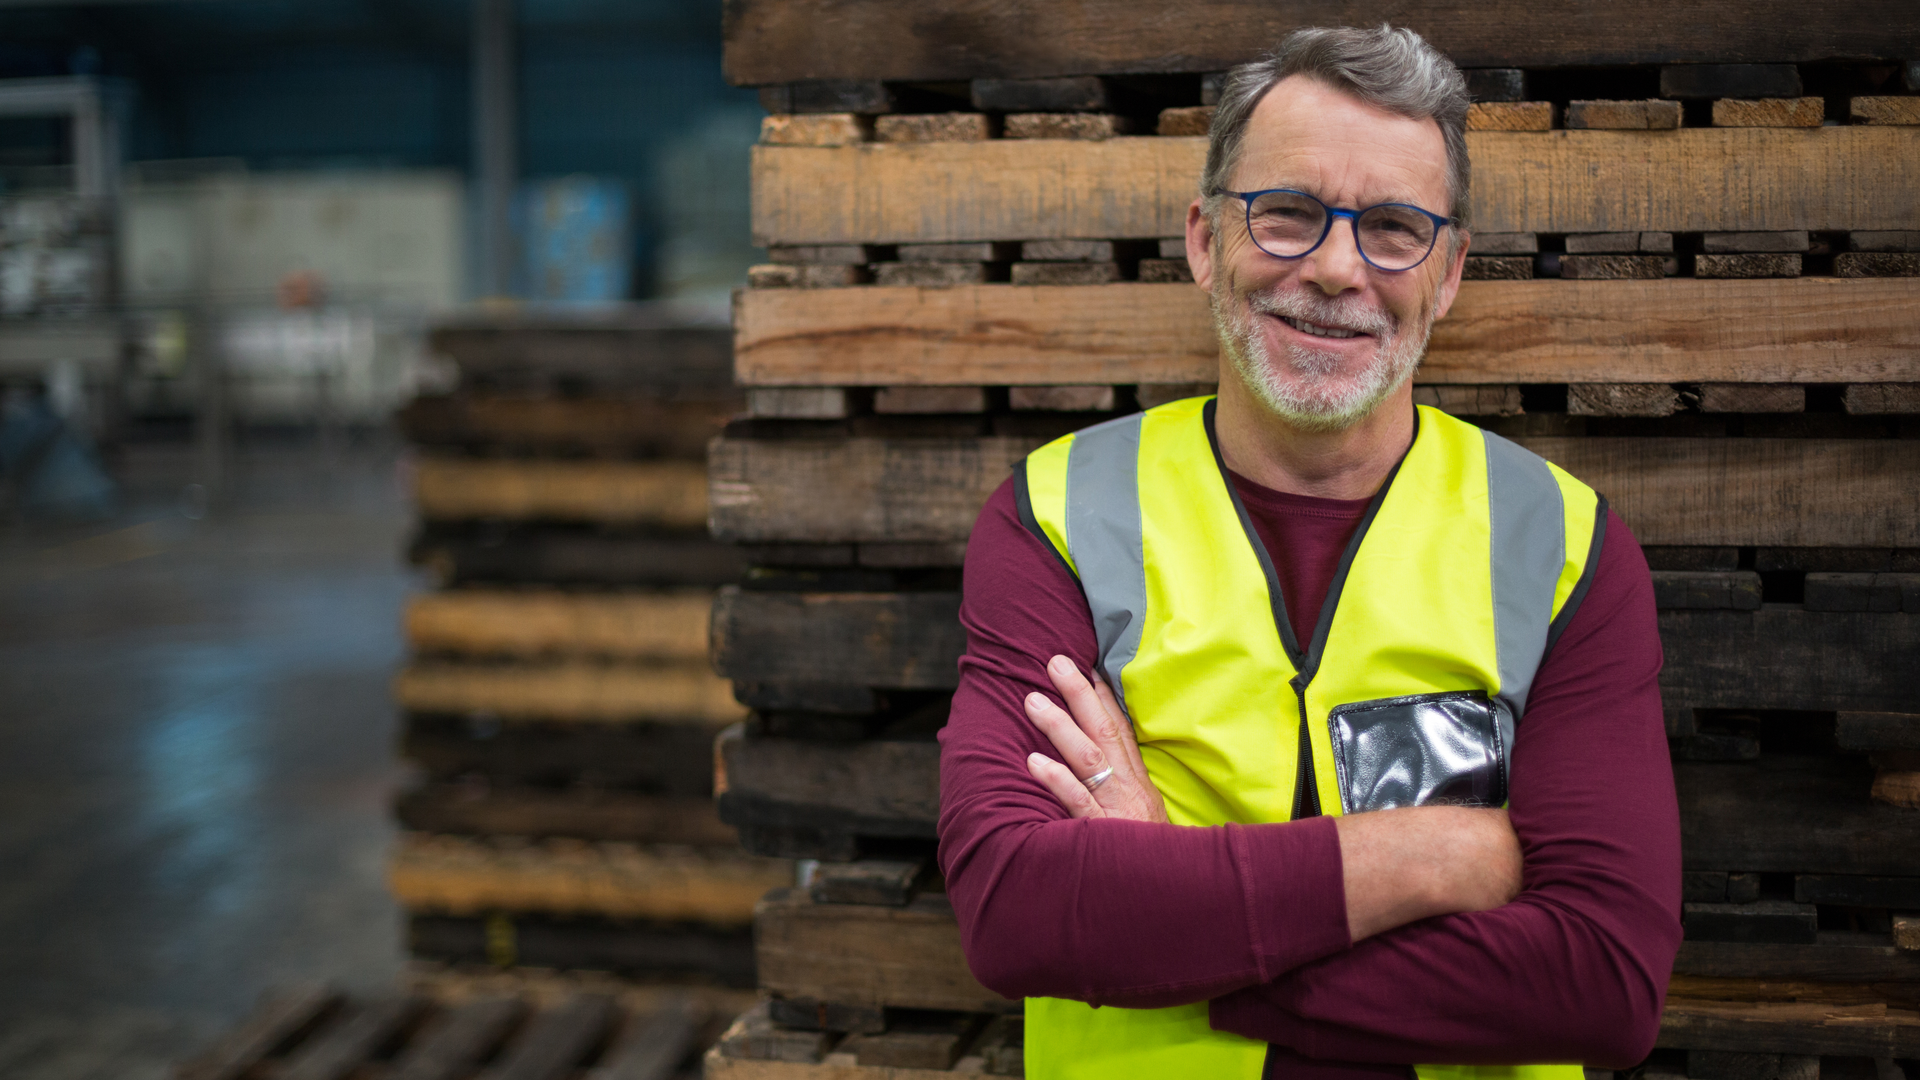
[
  {"x": 1059, "y": 665},
  {"x": 1036, "y": 701},
  {"x": 1035, "y": 759}
]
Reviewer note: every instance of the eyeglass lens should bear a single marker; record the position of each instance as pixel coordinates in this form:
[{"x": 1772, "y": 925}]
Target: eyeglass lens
[{"x": 1289, "y": 224}]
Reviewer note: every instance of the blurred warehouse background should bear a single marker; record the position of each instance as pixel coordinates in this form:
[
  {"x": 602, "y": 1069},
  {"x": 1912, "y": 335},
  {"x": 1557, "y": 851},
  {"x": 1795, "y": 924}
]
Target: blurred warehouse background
[{"x": 226, "y": 227}]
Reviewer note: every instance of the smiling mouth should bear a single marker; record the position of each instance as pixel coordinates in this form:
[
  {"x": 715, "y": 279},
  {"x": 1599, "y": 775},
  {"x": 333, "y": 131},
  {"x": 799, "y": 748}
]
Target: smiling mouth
[{"x": 1317, "y": 330}]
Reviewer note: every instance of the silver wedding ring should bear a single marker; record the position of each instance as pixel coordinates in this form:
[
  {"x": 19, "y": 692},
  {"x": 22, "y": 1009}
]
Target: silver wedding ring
[{"x": 1098, "y": 778}]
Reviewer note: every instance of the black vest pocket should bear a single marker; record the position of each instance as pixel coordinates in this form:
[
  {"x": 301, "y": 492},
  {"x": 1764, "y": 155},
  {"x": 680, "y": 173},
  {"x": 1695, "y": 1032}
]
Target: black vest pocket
[{"x": 1422, "y": 750}]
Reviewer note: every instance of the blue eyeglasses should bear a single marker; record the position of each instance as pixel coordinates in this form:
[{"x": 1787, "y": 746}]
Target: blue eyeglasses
[{"x": 1289, "y": 224}]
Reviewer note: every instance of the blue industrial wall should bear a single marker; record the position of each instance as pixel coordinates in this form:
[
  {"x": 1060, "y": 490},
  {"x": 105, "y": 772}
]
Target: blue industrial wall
[{"x": 605, "y": 85}]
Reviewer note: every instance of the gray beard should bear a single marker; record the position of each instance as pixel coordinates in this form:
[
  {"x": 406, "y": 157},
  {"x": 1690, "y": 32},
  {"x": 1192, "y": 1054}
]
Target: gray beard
[{"x": 1312, "y": 399}]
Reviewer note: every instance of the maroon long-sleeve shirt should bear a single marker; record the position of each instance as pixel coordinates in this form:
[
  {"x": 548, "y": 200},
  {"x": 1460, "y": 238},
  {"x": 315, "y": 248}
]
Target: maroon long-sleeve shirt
[{"x": 1253, "y": 917}]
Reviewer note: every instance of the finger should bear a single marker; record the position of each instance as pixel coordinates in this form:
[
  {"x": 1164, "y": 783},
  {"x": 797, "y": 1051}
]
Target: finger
[
  {"x": 1089, "y": 713},
  {"x": 1129, "y": 746},
  {"x": 1080, "y": 753},
  {"x": 1065, "y": 788}
]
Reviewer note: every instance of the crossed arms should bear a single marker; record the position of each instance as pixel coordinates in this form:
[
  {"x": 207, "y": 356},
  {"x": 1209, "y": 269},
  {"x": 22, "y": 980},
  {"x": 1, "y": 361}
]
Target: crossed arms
[{"x": 1359, "y": 940}]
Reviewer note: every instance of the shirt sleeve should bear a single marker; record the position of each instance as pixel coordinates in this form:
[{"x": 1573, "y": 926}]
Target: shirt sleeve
[
  {"x": 1576, "y": 968},
  {"x": 1108, "y": 912}
]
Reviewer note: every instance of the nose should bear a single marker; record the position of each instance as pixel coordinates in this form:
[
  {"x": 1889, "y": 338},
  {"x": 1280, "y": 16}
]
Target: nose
[{"x": 1335, "y": 266}]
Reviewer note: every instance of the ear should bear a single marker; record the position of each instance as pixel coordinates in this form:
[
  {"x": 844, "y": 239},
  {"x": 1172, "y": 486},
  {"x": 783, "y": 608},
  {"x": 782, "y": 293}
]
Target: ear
[
  {"x": 1450, "y": 283},
  {"x": 1200, "y": 245}
]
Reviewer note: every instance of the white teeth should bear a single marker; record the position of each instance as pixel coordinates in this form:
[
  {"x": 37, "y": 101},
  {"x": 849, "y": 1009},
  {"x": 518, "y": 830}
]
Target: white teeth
[{"x": 1317, "y": 330}]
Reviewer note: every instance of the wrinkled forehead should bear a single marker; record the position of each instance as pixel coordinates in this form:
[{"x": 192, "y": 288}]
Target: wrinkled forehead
[{"x": 1307, "y": 134}]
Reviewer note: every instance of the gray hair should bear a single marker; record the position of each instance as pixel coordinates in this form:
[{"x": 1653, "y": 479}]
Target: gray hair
[{"x": 1391, "y": 69}]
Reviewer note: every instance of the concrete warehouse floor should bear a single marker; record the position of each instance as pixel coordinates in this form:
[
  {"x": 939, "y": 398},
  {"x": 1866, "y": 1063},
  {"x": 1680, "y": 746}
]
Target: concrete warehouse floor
[{"x": 196, "y": 755}]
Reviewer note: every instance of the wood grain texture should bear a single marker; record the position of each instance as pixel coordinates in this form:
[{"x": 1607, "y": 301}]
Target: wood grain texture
[
  {"x": 460, "y": 876},
  {"x": 1838, "y": 956},
  {"x": 1789, "y": 814},
  {"x": 1672, "y": 491},
  {"x": 580, "y": 812},
  {"x": 1864, "y": 1030},
  {"x": 1795, "y": 330},
  {"x": 617, "y": 350},
  {"x": 874, "y": 780},
  {"x": 1687, "y": 180},
  {"x": 606, "y": 425},
  {"x": 904, "y": 957},
  {"x": 572, "y": 691},
  {"x": 778, "y": 41},
  {"x": 666, "y": 493},
  {"x": 857, "y": 639},
  {"x": 826, "y": 491},
  {"x": 1789, "y": 492},
  {"x": 539, "y": 622}
]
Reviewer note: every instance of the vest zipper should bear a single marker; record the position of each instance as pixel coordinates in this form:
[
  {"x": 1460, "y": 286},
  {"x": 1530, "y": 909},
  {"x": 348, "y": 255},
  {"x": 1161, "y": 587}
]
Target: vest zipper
[{"x": 1306, "y": 789}]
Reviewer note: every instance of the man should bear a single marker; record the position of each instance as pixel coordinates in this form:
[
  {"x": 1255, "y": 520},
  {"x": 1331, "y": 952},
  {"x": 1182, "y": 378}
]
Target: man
[{"x": 1331, "y": 636}]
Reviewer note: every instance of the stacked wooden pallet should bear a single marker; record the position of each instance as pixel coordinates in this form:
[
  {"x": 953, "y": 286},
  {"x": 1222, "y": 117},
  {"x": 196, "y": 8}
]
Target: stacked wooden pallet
[
  {"x": 450, "y": 1033},
  {"x": 1695, "y": 283},
  {"x": 559, "y": 702}
]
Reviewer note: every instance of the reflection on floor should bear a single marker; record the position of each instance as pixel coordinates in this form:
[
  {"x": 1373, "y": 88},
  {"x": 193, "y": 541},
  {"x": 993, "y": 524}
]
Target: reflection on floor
[{"x": 196, "y": 755}]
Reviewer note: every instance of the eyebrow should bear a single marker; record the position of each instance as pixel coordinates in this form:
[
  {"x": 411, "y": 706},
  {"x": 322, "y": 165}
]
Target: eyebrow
[{"x": 1403, "y": 199}]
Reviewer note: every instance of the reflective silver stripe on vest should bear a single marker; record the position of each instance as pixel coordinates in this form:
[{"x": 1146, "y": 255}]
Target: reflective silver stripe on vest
[
  {"x": 1104, "y": 538},
  {"x": 1529, "y": 548}
]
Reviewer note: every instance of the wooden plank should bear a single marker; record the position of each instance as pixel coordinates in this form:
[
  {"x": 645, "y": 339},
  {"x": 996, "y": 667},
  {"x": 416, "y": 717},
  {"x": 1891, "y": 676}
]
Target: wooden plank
[
  {"x": 868, "y": 881},
  {"x": 556, "y": 1040},
  {"x": 351, "y": 1042},
  {"x": 1777, "y": 922},
  {"x": 665, "y": 493},
  {"x": 621, "y": 350},
  {"x": 644, "y": 949},
  {"x": 581, "y": 812},
  {"x": 900, "y": 957},
  {"x": 1804, "y": 815},
  {"x": 653, "y": 1048},
  {"x": 1856, "y": 891},
  {"x": 457, "y": 1039},
  {"x": 279, "y": 1018},
  {"x": 547, "y": 555},
  {"x": 460, "y": 876},
  {"x": 1790, "y": 1028},
  {"x": 877, "y": 788},
  {"x": 525, "y": 623},
  {"x": 1837, "y": 956},
  {"x": 665, "y": 759},
  {"x": 1879, "y": 731},
  {"x": 1758, "y": 331},
  {"x": 602, "y": 424},
  {"x": 1688, "y": 180},
  {"x": 1672, "y": 491},
  {"x": 1787, "y": 492},
  {"x": 882, "y": 640},
  {"x": 778, "y": 41},
  {"x": 1837, "y": 660},
  {"x": 827, "y": 491},
  {"x": 570, "y": 690}
]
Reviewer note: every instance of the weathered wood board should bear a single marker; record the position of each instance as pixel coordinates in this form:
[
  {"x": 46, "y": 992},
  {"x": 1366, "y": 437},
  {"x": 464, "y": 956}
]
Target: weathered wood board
[
  {"x": 580, "y": 812},
  {"x": 669, "y": 883},
  {"x": 628, "y": 424},
  {"x": 1684, "y": 180},
  {"x": 569, "y": 690},
  {"x": 667, "y": 758},
  {"x": 1678, "y": 330},
  {"x": 662, "y": 493},
  {"x": 904, "y": 957},
  {"x": 785, "y": 637},
  {"x": 1671, "y": 491},
  {"x": 778, "y": 41},
  {"x": 635, "y": 948},
  {"x": 825, "y": 491},
  {"x": 525, "y": 623}
]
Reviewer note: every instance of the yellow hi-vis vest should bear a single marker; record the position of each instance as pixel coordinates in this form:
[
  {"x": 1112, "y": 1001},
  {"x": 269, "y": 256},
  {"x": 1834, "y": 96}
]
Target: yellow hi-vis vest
[{"x": 1468, "y": 563}]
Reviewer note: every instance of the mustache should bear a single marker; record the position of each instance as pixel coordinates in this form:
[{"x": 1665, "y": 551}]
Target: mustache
[{"x": 1346, "y": 313}]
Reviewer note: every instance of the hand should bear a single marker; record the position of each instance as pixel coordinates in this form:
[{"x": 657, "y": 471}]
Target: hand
[{"x": 1096, "y": 735}]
